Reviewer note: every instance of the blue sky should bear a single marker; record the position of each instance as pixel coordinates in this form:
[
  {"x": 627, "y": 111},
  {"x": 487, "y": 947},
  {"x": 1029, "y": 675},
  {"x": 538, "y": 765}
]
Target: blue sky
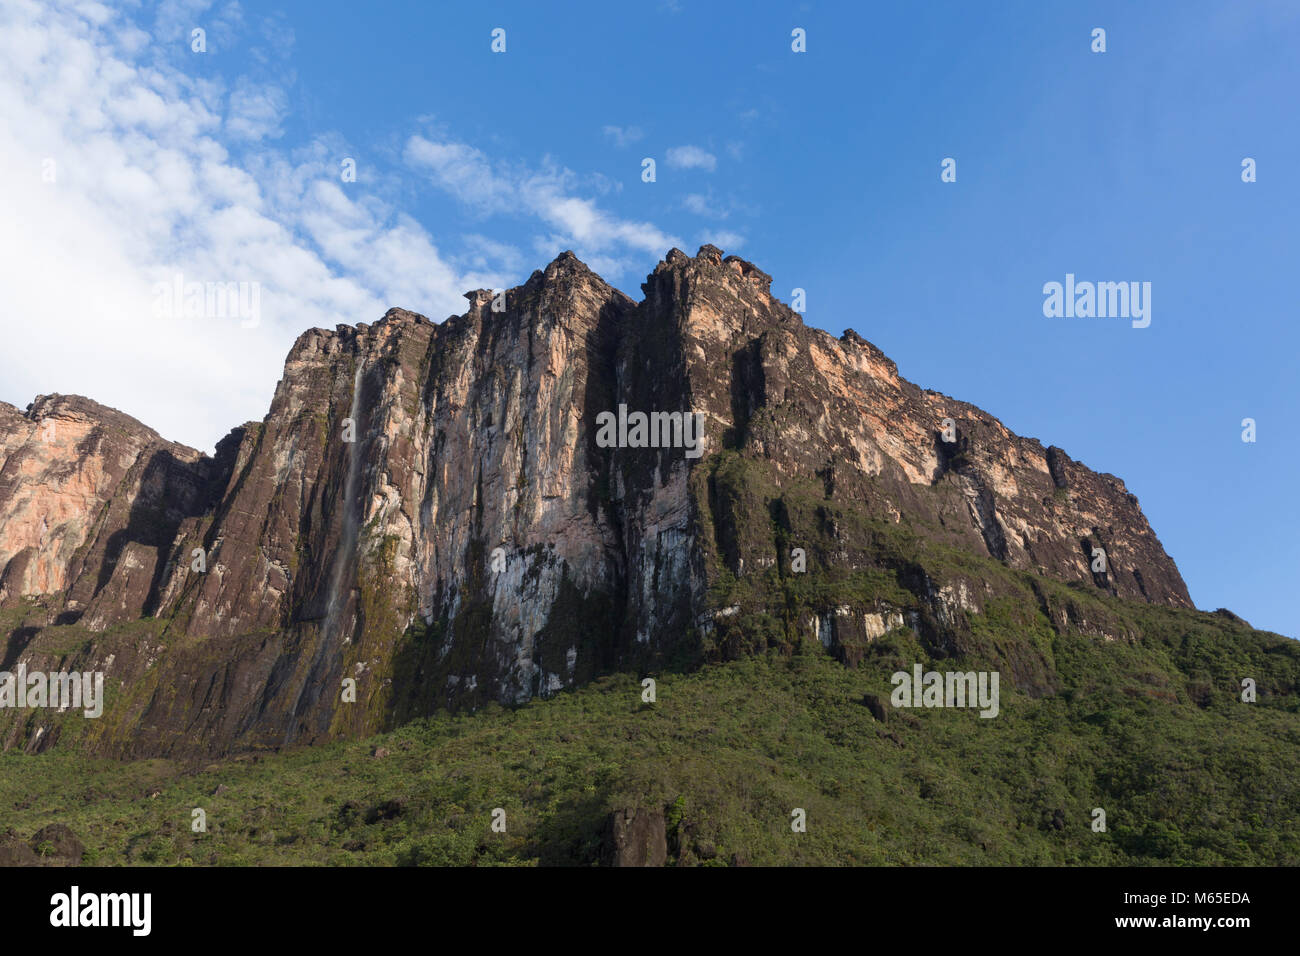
[{"x": 474, "y": 168}]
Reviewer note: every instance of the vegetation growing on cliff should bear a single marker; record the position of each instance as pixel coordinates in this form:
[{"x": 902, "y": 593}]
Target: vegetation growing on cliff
[{"x": 1154, "y": 732}]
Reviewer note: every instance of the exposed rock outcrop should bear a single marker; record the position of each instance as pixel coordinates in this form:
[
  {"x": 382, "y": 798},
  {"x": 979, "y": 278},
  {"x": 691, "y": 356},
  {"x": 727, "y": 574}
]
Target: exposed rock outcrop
[
  {"x": 636, "y": 837},
  {"x": 53, "y": 845},
  {"x": 90, "y": 503},
  {"x": 427, "y": 511}
]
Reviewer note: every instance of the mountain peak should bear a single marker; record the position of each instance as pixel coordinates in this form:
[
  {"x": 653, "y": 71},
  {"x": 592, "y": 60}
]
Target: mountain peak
[
  {"x": 440, "y": 512},
  {"x": 568, "y": 263}
]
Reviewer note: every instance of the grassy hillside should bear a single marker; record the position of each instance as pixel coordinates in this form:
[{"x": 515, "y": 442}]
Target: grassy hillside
[{"x": 1152, "y": 731}]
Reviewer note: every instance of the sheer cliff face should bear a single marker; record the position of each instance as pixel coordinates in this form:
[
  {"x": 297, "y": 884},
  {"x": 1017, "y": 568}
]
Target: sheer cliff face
[
  {"x": 815, "y": 407},
  {"x": 89, "y": 501},
  {"x": 427, "y": 511}
]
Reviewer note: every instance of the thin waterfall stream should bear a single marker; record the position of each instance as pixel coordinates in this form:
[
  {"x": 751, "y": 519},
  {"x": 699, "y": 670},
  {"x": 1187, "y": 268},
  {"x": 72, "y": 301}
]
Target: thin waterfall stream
[{"x": 339, "y": 587}]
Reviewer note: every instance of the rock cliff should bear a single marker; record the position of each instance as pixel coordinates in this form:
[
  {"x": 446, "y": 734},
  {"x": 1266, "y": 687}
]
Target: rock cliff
[{"x": 429, "y": 511}]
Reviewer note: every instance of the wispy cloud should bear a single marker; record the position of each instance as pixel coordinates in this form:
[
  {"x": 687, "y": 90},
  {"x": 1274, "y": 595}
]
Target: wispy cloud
[
  {"x": 710, "y": 205},
  {"x": 546, "y": 194},
  {"x": 704, "y": 205},
  {"x": 119, "y": 170},
  {"x": 256, "y": 111},
  {"x": 624, "y": 136},
  {"x": 160, "y": 165},
  {"x": 691, "y": 157},
  {"x": 725, "y": 240}
]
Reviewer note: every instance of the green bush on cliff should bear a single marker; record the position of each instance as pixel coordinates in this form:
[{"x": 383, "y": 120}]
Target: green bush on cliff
[{"x": 1154, "y": 732}]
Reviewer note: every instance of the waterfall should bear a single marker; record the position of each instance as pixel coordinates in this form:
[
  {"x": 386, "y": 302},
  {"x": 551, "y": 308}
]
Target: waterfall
[{"x": 339, "y": 586}]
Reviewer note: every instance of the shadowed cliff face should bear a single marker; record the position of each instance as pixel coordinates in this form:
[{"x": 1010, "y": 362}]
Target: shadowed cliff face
[{"x": 427, "y": 512}]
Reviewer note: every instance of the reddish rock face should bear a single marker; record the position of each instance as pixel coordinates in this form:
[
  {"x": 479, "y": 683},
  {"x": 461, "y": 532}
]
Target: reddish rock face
[
  {"x": 427, "y": 512},
  {"x": 89, "y": 501}
]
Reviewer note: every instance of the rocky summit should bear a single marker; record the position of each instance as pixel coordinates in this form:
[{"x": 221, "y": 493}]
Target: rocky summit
[{"x": 444, "y": 515}]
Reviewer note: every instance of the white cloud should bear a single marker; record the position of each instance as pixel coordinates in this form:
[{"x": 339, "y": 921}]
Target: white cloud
[
  {"x": 145, "y": 188},
  {"x": 546, "y": 194},
  {"x": 255, "y": 111},
  {"x": 704, "y": 205},
  {"x": 623, "y": 136},
  {"x": 691, "y": 157},
  {"x": 221, "y": 23},
  {"x": 723, "y": 239},
  {"x": 463, "y": 171},
  {"x": 478, "y": 251},
  {"x": 712, "y": 206},
  {"x": 163, "y": 172}
]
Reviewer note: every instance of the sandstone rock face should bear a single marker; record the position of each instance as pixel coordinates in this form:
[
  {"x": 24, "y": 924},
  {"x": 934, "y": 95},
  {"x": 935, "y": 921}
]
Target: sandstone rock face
[
  {"x": 816, "y": 407},
  {"x": 428, "y": 516},
  {"x": 89, "y": 501}
]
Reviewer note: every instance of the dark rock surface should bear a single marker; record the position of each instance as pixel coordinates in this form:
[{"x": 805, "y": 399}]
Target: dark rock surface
[
  {"x": 53, "y": 845},
  {"x": 476, "y": 543},
  {"x": 635, "y": 837}
]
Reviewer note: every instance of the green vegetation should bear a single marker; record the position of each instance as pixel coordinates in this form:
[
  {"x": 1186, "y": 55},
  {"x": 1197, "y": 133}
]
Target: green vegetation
[
  {"x": 1152, "y": 731},
  {"x": 1129, "y": 707}
]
